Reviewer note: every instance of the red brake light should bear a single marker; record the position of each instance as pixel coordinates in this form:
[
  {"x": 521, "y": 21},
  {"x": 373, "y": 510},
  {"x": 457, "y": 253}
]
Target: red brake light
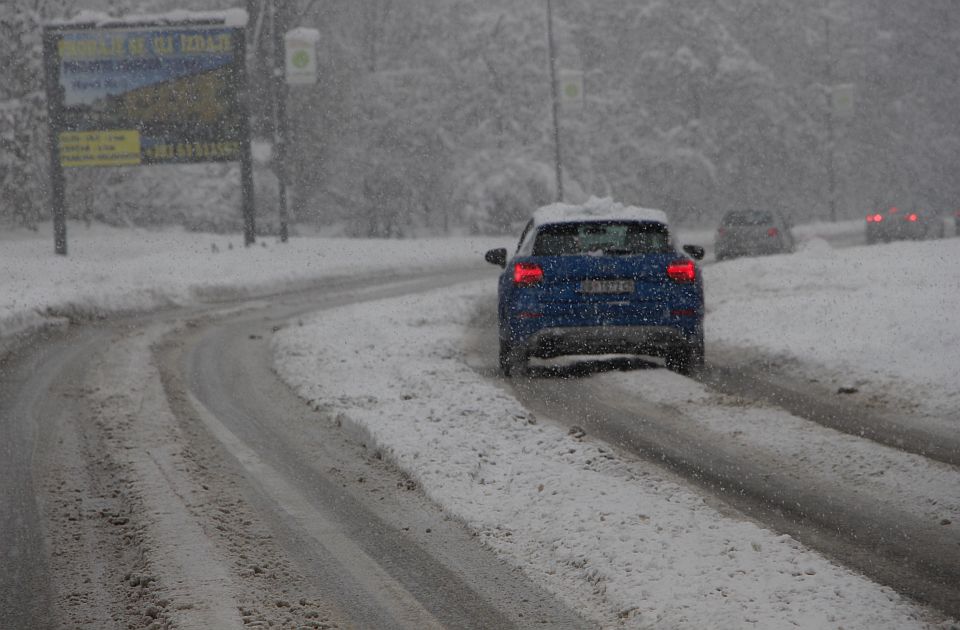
[
  {"x": 682, "y": 271},
  {"x": 527, "y": 274},
  {"x": 894, "y": 210},
  {"x": 912, "y": 217},
  {"x": 773, "y": 232}
]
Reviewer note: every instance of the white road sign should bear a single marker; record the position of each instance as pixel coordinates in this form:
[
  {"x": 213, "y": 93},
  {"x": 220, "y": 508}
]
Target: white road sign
[
  {"x": 571, "y": 89},
  {"x": 300, "y": 46},
  {"x": 843, "y": 98}
]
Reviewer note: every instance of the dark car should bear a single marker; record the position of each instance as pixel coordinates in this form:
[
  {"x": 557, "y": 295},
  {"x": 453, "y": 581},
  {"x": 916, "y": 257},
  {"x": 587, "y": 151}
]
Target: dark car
[
  {"x": 899, "y": 224},
  {"x": 599, "y": 278},
  {"x": 752, "y": 233}
]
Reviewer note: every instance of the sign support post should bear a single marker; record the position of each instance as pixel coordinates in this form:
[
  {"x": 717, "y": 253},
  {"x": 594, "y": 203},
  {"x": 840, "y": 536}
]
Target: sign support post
[
  {"x": 246, "y": 159},
  {"x": 57, "y": 193},
  {"x": 296, "y": 64}
]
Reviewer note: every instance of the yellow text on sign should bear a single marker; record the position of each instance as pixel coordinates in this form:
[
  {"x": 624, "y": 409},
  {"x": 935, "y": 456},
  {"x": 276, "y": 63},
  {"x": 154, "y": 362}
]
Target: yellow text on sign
[{"x": 100, "y": 148}]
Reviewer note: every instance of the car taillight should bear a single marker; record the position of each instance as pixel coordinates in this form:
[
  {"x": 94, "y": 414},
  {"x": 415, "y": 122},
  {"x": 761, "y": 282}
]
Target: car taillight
[
  {"x": 874, "y": 218},
  {"x": 911, "y": 217},
  {"x": 527, "y": 274},
  {"x": 773, "y": 232},
  {"x": 682, "y": 271}
]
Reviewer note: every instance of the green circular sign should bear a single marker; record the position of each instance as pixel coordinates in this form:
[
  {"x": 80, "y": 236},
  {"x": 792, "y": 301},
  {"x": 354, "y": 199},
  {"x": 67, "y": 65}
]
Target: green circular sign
[{"x": 300, "y": 59}]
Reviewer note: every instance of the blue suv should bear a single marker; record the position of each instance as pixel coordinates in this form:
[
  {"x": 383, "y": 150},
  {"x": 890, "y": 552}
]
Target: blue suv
[{"x": 599, "y": 278}]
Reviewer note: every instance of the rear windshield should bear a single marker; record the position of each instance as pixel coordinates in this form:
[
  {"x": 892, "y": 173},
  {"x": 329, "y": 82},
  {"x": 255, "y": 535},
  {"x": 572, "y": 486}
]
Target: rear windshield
[
  {"x": 748, "y": 217},
  {"x": 614, "y": 238}
]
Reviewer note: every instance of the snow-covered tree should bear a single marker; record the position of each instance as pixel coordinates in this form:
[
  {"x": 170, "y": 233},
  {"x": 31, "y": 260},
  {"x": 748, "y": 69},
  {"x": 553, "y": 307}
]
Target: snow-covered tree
[
  {"x": 23, "y": 153},
  {"x": 435, "y": 115}
]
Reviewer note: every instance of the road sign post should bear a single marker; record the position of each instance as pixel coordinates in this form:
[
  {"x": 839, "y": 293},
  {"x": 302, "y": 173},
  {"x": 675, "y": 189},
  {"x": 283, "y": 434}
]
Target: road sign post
[{"x": 298, "y": 49}]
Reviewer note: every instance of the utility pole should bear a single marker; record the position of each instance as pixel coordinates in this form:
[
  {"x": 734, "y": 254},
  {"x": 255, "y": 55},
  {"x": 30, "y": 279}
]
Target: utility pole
[
  {"x": 831, "y": 139},
  {"x": 551, "y": 53},
  {"x": 280, "y": 26}
]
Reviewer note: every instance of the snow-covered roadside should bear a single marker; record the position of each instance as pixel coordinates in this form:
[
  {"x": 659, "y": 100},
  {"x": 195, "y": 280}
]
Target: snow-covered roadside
[
  {"x": 615, "y": 536},
  {"x": 110, "y": 270},
  {"x": 881, "y": 319}
]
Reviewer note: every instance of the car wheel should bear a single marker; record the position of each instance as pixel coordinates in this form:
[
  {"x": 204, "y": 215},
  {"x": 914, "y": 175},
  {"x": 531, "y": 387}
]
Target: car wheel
[
  {"x": 686, "y": 359},
  {"x": 513, "y": 360},
  {"x": 505, "y": 350}
]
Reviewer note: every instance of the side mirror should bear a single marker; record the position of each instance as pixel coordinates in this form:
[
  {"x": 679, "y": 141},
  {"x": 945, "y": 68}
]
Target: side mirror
[
  {"x": 497, "y": 256},
  {"x": 696, "y": 252}
]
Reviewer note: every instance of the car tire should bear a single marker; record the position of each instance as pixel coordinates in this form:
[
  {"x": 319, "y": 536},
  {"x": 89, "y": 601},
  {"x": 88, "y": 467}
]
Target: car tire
[
  {"x": 686, "y": 359},
  {"x": 513, "y": 360},
  {"x": 505, "y": 350}
]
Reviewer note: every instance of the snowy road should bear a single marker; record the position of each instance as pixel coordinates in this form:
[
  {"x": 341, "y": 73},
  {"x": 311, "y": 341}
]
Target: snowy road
[
  {"x": 383, "y": 556},
  {"x": 31, "y": 386},
  {"x": 180, "y": 453}
]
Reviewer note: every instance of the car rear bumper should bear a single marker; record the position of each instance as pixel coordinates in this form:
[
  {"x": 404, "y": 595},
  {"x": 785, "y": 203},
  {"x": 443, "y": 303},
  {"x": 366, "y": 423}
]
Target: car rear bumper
[
  {"x": 650, "y": 340},
  {"x": 893, "y": 231}
]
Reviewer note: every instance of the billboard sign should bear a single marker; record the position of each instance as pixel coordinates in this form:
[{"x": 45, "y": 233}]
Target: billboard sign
[{"x": 127, "y": 95}]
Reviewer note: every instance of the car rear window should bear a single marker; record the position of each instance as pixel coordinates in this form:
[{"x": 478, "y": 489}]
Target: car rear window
[
  {"x": 613, "y": 238},
  {"x": 748, "y": 217}
]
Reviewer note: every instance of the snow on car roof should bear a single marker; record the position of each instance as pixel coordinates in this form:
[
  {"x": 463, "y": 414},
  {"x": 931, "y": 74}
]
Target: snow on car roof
[{"x": 596, "y": 209}]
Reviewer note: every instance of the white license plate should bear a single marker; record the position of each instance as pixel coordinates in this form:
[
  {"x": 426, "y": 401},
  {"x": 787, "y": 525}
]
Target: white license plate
[{"x": 606, "y": 286}]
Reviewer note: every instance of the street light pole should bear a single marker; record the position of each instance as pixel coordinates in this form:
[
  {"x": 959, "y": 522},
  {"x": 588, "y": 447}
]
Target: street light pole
[
  {"x": 555, "y": 98},
  {"x": 280, "y": 28},
  {"x": 831, "y": 139}
]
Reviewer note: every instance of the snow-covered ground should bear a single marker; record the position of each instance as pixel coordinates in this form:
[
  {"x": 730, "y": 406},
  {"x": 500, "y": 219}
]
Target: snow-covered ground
[
  {"x": 111, "y": 270},
  {"x": 616, "y": 536},
  {"x": 881, "y": 318}
]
